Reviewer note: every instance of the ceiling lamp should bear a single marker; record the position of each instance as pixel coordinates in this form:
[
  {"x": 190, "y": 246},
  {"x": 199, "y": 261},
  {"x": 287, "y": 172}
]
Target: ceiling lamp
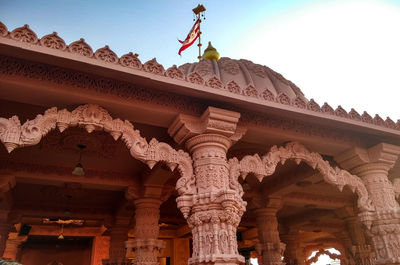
[
  {"x": 61, "y": 236},
  {"x": 78, "y": 170}
]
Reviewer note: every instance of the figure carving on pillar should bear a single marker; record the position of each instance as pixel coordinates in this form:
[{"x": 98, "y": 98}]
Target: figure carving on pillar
[
  {"x": 118, "y": 236},
  {"x": 146, "y": 243},
  {"x": 383, "y": 224},
  {"x": 270, "y": 246},
  {"x": 214, "y": 210},
  {"x": 290, "y": 254}
]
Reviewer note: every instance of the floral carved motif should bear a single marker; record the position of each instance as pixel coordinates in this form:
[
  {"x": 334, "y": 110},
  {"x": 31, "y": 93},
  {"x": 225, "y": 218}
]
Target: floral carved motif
[
  {"x": 153, "y": 67},
  {"x": 24, "y": 34},
  {"x": 366, "y": 117},
  {"x": 378, "y": 120},
  {"x": 195, "y": 78},
  {"x": 174, "y": 73},
  {"x": 257, "y": 69},
  {"x": 250, "y": 91},
  {"x": 268, "y": 95},
  {"x": 284, "y": 99},
  {"x": 354, "y": 115},
  {"x": 327, "y": 109},
  {"x": 312, "y": 105},
  {"x": 203, "y": 68},
  {"x": 266, "y": 165},
  {"x": 300, "y": 103},
  {"x": 53, "y": 41},
  {"x": 92, "y": 117},
  {"x": 233, "y": 87},
  {"x": 229, "y": 66},
  {"x": 341, "y": 112},
  {"x": 3, "y": 30},
  {"x": 106, "y": 54},
  {"x": 81, "y": 47},
  {"x": 130, "y": 60},
  {"x": 214, "y": 82}
]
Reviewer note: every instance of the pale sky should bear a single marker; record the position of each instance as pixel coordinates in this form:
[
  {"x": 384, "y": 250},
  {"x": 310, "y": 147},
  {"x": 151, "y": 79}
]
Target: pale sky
[{"x": 343, "y": 52}]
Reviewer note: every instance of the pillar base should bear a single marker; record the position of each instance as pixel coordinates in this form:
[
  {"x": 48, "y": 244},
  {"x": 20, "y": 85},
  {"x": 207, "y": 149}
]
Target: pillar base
[{"x": 217, "y": 259}]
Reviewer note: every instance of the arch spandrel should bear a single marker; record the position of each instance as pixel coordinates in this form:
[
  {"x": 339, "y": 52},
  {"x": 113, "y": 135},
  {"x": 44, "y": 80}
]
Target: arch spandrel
[
  {"x": 93, "y": 117},
  {"x": 266, "y": 165}
]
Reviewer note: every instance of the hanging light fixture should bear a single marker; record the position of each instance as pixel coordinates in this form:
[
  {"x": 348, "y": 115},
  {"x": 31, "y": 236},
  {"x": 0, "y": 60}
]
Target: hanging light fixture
[
  {"x": 61, "y": 236},
  {"x": 78, "y": 170}
]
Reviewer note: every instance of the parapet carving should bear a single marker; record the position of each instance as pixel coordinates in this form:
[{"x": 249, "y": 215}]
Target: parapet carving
[
  {"x": 53, "y": 41},
  {"x": 266, "y": 165},
  {"x": 231, "y": 67},
  {"x": 92, "y": 117}
]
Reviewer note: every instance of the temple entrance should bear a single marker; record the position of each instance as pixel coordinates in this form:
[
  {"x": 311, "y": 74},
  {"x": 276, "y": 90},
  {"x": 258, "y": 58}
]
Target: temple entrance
[{"x": 38, "y": 250}]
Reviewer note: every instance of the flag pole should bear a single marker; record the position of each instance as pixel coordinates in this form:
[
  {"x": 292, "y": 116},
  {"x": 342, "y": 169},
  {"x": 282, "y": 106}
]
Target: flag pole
[{"x": 199, "y": 11}]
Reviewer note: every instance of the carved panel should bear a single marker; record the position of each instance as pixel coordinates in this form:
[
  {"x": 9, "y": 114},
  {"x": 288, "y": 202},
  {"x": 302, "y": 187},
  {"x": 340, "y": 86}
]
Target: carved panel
[
  {"x": 24, "y": 34},
  {"x": 53, "y": 41}
]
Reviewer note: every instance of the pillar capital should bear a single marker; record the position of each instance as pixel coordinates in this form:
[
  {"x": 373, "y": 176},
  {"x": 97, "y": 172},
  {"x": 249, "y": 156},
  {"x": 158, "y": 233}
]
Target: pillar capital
[
  {"x": 213, "y": 121},
  {"x": 382, "y": 156}
]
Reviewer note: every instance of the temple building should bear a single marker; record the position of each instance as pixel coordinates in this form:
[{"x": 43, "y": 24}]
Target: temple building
[{"x": 108, "y": 160}]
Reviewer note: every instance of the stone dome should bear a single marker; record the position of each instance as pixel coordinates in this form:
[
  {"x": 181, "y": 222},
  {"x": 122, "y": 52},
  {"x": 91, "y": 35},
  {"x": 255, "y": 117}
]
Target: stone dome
[{"x": 238, "y": 75}]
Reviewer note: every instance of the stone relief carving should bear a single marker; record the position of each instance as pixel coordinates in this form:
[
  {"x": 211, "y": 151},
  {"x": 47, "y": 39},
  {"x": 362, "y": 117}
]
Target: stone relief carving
[
  {"x": 153, "y": 67},
  {"x": 233, "y": 87},
  {"x": 174, "y": 73},
  {"x": 266, "y": 165},
  {"x": 81, "y": 47},
  {"x": 24, "y": 34},
  {"x": 214, "y": 82},
  {"x": 268, "y": 95},
  {"x": 229, "y": 65},
  {"x": 92, "y": 117},
  {"x": 3, "y": 30},
  {"x": 106, "y": 54},
  {"x": 130, "y": 60},
  {"x": 284, "y": 99},
  {"x": 250, "y": 91},
  {"x": 53, "y": 41},
  {"x": 195, "y": 78}
]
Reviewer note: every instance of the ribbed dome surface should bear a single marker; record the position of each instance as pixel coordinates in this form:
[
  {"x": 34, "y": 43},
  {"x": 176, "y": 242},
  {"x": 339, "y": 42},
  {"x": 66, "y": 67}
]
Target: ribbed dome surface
[{"x": 244, "y": 73}]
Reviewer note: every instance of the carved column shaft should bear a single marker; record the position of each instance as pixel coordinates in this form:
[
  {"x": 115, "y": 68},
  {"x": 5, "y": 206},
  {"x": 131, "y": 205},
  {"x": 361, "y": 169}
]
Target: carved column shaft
[
  {"x": 4, "y": 230},
  {"x": 383, "y": 221},
  {"x": 290, "y": 254},
  {"x": 214, "y": 207},
  {"x": 118, "y": 236},
  {"x": 384, "y": 224},
  {"x": 217, "y": 210},
  {"x": 13, "y": 246},
  {"x": 270, "y": 245},
  {"x": 362, "y": 252},
  {"x": 146, "y": 243}
]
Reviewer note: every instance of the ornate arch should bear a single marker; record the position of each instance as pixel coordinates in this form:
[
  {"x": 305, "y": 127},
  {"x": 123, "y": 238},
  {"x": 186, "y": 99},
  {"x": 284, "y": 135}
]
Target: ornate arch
[
  {"x": 92, "y": 117},
  {"x": 266, "y": 165},
  {"x": 326, "y": 252}
]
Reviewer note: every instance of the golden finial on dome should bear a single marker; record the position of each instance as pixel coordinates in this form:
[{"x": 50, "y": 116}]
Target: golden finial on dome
[{"x": 211, "y": 53}]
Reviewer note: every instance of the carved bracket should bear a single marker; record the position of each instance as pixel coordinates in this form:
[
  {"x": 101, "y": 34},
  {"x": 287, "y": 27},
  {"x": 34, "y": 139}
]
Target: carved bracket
[
  {"x": 266, "y": 166},
  {"x": 92, "y": 117}
]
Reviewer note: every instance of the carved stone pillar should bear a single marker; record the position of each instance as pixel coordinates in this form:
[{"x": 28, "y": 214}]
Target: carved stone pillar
[
  {"x": 13, "y": 244},
  {"x": 290, "y": 254},
  {"x": 214, "y": 208},
  {"x": 270, "y": 245},
  {"x": 383, "y": 225},
  {"x": 5, "y": 228},
  {"x": 146, "y": 243},
  {"x": 118, "y": 236}
]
